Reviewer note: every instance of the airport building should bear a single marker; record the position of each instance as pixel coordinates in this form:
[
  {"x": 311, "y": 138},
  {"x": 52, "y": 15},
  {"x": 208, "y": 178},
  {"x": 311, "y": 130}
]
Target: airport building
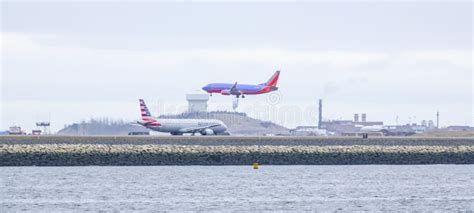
[
  {"x": 16, "y": 130},
  {"x": 197, "y": 101},
  {"x": 308, "y": 131}
]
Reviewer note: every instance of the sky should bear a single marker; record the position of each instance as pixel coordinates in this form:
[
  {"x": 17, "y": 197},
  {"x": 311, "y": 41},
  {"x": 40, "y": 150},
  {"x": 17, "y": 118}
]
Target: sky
[{"x": 399, "y": 62}]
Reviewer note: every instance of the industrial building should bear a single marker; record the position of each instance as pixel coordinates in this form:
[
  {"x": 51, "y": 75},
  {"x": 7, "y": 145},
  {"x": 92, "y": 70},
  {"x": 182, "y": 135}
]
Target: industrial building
[
  {"x": 344, "y": 127},
  {"x": 336, "y": 127},
  {"x": 361, "y": 125}
]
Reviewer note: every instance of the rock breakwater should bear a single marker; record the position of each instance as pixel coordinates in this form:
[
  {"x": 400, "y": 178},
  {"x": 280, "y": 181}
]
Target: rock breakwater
[{"x": 156, "y": 154}]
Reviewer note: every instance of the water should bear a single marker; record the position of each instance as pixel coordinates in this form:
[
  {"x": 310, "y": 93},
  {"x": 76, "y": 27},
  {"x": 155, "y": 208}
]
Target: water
[{"x": 238, "y": 188}]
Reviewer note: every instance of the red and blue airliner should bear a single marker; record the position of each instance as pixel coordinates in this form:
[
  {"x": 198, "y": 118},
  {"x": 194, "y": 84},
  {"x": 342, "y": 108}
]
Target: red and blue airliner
[{"x": 244, "y": 89}]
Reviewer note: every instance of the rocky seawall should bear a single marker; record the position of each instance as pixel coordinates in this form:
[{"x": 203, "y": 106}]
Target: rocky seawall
[
  {"x": 239, "y": 141},
  {"x": 165, "y": 154}
]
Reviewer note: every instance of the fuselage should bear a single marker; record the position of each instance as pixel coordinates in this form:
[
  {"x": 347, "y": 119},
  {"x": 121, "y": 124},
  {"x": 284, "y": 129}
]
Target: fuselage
[
  {"x": 246, "y": 89},
  {"x": 240, "y": 90},
  {"x": 176, "y": 126}
]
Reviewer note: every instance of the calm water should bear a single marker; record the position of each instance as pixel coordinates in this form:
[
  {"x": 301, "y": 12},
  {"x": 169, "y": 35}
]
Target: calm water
[{"x": 324, "y": 188}]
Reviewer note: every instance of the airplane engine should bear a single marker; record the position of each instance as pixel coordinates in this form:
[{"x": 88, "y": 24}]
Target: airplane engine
[
  {"x": 225, "y": 92},
  {"x": 207, "y": 132}
]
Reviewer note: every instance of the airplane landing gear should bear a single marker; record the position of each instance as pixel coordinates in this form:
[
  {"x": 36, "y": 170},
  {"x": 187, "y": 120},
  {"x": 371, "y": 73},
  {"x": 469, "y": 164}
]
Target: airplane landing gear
[{"x": 176, "y": 133}]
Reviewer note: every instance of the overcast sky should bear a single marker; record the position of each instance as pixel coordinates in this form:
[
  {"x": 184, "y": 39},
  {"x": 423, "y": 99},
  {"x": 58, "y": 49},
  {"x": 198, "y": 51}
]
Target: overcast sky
[{"x": 67, "y": 62}]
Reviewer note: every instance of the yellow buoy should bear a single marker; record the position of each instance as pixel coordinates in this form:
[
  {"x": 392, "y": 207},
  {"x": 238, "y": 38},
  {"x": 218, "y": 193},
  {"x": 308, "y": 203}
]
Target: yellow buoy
[{"x": 255, "y": 165}]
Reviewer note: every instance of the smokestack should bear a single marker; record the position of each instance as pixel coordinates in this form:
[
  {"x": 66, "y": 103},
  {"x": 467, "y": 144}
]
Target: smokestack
[
  {"x": 364, "y": 117},
  {"x": 320, "y": 113},
  {"x": 356, "y": 117},
  {"x": 437, "y": 119}
]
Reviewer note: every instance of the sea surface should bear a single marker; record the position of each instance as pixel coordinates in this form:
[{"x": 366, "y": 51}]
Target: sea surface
[{"x": 238, "y": 188}]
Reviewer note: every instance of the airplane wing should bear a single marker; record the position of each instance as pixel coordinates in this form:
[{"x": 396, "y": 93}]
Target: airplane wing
[
  {"x": 234, "y": 90},
  {"x": 197, "y": 128}
]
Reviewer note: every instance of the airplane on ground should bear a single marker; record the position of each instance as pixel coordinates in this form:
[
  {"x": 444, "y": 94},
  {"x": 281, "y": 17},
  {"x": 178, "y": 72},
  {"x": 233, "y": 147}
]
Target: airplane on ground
[
  {"x": 181, "y": 126},
  {"x": 243, "y": 89}
]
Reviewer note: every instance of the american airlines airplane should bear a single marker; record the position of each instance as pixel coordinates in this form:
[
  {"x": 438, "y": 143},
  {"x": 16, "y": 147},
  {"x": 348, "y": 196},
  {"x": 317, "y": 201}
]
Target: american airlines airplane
[
  {"x": 181, "y": 126},
  {"x": 244, "y": 89}
]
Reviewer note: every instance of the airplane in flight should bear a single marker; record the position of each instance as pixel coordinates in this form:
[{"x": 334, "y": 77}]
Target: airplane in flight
[
  {"x": 181, "y": 126},
  {"x": 244, "y": 89}
]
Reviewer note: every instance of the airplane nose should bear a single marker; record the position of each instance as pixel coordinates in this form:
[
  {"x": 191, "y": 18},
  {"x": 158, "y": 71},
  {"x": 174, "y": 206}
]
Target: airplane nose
[{"x": 205, "y": 88}]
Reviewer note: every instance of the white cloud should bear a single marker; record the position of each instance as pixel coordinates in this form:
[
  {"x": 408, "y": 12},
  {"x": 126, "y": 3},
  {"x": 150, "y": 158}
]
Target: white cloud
[
  {"x": 458, "y": 58},
  {"x": 36, "y": 63},
  {"x": 35, "y": 47},
  {"x": 30, "y": 46}
]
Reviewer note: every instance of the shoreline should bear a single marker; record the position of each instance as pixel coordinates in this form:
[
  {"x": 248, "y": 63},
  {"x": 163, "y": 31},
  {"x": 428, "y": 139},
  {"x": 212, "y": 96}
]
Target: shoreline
[{"x": 140, "y": 155}]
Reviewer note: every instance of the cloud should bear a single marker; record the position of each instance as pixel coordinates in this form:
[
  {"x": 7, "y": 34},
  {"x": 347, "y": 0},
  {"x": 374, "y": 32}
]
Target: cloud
[
  {"x": 57, "y": 60},
  {"x": 43, "y": 47},
  {"x": 458, "y": 58},
  {"x": 36, "y": 65},
  {"x": 34, "y": 45}
]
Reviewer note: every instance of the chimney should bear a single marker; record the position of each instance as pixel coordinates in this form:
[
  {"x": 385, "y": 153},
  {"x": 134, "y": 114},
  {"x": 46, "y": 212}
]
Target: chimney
[
  {"x": 437, "y": 120},
  {"x": 364, "y": 117},
  {"x": 356, "y": 117},
  {"x": 320, "y": 113}
]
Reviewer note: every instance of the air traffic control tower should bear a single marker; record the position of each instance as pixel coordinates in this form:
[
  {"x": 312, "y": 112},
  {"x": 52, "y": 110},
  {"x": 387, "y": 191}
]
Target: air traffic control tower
[{"x": 197, "y": 101}]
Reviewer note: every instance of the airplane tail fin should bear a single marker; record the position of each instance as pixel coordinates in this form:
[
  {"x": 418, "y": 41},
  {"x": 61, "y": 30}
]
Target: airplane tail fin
[
  {"x": 146, "y": 115},
  {"x": 272, "y": 82}
]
